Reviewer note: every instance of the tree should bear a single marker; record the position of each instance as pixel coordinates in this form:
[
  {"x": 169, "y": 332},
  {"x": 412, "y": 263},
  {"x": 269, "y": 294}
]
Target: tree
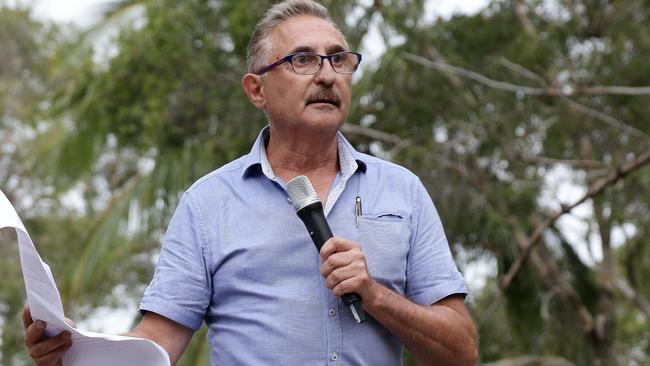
[
  {"x": 514, "y": 95},
  {"x": 490, "y": 110}
]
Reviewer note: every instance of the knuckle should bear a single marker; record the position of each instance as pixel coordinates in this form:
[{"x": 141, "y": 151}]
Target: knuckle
[
  {"x": 334, "y": 277},
  {"x": 323, "y": 270},
  {"x": 364, "y": 277},
  {"x": 336, "y": 291},
  {"x": 361, "y": 266},
  {"x": 331, "y": 262}
]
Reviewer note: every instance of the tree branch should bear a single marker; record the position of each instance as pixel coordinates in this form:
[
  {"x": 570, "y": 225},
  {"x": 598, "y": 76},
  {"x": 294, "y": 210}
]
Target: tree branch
[
  {"x": 634, "y": 251},
  {"x": 605, "y": 118},
  {"x": 502, "y": 85},
  {"x": 594, "y": 190},
  {"x": 522, "y": 70},
  {"x": 583, "y": 163},
  {"x": 632, "y": 296},
  {"x": 547, "y": 91},
  {"x": 613, "y": 90},
  {"x": 521, "y": 10},
  {"x": 496, "y": 84}
]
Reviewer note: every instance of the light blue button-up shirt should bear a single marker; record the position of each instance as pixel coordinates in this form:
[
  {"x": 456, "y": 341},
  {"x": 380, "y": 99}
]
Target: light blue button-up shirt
[{"x": 236, "y": 256}]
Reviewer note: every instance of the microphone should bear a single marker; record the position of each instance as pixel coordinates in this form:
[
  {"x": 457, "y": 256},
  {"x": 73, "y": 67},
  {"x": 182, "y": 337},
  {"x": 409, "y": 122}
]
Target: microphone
[{"x": 309, "y": 209}]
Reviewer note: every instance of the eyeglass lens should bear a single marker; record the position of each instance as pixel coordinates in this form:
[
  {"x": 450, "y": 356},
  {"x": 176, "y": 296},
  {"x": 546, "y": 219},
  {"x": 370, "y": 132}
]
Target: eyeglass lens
[{"x": 310, "y": 63}]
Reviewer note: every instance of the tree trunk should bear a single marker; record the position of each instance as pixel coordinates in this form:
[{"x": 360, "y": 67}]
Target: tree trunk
[{"x": 605, "y": 333}]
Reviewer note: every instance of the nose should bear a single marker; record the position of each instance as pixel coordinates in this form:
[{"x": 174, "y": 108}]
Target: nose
[{"x": 326, "y": 75}]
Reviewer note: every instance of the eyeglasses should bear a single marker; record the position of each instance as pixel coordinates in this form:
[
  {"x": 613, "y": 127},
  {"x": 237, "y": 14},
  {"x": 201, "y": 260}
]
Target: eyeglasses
[{"x": 309, "y": 63}]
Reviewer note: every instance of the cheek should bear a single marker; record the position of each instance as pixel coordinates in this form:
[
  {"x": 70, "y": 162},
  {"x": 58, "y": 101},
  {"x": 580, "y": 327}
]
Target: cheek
[
  {"x": 345, "y": 87},
  {"x": 277, "y": 96},
  {"x": 287, "y": 92}
]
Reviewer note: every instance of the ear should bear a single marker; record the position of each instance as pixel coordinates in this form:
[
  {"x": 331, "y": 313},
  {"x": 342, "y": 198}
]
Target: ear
[{"x": 253, "y": 87}]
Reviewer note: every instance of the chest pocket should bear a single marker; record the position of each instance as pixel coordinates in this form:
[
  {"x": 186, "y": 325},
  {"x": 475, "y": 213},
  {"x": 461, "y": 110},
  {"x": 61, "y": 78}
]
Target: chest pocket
[{"x": 385, "y": 241}]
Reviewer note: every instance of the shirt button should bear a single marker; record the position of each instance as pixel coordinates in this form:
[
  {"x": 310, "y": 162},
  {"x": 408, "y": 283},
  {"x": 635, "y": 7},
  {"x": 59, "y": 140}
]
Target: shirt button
[
  {"x": 331, "y": 312},
  {"x": 335, "y": 356}
]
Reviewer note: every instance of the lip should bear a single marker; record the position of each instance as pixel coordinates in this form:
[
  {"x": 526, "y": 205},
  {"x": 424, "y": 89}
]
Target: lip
[
  {"x": 323, "y": 106},
  {"x": 324, "y": 102}
]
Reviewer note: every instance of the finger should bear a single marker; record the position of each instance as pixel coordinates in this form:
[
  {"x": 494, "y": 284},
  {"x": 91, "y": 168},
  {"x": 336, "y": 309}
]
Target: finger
[
  {"x": 27, "y": 317},
  {"x": 336, "y": 244},
  {"x": 70, "y": 322},
  {"x": 328, "y": 248},
  {"x": 343, "y": 259},
  {"x": 356, "y": 267},
  {"x": 46, "y": 347},
  {"x": 34, "y": 332},
  {"x": 348, "y": 286},
  {"x": 54, "y": 356},
  {"x": 334, "y": 261},
  {"x": 340, "y": 275}
]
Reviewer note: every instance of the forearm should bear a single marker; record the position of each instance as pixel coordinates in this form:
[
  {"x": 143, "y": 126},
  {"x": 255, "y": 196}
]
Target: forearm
[
  {"x": 171, "y": 336},
  {"x": 440, "y": 334}
]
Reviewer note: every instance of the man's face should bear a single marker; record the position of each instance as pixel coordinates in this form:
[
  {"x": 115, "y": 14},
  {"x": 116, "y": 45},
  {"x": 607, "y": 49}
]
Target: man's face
[{"x": 318, "y": 102}]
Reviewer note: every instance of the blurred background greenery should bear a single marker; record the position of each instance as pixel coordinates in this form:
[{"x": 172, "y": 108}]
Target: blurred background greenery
[{"x": 509, "y": 116}]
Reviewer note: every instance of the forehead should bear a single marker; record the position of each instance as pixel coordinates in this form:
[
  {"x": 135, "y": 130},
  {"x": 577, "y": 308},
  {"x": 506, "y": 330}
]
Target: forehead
[{"x": 305, "y": 33}]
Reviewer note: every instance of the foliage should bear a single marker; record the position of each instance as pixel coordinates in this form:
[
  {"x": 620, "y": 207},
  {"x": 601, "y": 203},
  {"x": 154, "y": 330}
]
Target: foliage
[{"x": 490, "y": 110}]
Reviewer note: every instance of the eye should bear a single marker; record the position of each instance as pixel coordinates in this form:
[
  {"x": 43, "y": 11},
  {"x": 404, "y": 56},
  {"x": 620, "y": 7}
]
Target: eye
[
  {"x": 301, "y": 60},
  {"x": 337, "y": 59}
]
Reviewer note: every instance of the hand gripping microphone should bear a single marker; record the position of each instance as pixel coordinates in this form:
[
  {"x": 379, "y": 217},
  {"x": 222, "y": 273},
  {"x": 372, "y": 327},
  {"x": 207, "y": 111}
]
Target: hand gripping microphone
[{"x": 310, "y": 210}]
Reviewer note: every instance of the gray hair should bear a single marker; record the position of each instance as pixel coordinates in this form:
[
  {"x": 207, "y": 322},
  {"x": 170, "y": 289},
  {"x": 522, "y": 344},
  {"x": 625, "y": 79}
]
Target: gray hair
[{"x": 259, "y": 47}]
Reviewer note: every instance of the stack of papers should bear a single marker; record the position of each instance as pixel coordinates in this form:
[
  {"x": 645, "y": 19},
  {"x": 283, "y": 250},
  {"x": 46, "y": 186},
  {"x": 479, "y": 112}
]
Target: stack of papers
[{"x": 88, "y": 348}]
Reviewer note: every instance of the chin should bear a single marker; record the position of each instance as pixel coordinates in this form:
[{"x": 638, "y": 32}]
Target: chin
[
  {"x": 324, "y": 124},
  {"x": 326, "y": 120}
]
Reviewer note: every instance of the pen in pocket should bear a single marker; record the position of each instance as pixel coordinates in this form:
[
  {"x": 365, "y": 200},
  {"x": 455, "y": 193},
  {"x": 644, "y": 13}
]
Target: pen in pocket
[{"x": 357, "y": 210}]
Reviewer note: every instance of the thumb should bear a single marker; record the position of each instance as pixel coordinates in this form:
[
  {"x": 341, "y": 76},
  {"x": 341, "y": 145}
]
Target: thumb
[
  {"x": 70, "y": 322},
  {"x": 27, "y": 317}
]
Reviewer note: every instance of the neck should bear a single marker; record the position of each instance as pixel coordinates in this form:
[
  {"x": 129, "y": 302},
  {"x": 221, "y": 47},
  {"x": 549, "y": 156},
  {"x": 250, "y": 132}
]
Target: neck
[{"x": 314, "y": 155}]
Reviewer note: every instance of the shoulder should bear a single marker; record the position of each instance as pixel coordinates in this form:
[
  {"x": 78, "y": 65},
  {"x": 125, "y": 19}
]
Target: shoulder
[
  {"x": 224, "y": 176},
  {"x": 376, "y": 167}
]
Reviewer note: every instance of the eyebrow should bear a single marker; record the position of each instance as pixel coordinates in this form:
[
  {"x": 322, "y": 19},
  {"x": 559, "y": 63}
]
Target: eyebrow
[{"x": 330, "y": 50}]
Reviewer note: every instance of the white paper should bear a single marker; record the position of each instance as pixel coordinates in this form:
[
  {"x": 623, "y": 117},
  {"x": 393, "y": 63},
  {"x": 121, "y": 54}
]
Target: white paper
[{"x": 88, "y": 348}]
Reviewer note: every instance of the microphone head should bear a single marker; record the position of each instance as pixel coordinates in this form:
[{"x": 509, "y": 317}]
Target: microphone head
[{"x": 301, "y": 192}]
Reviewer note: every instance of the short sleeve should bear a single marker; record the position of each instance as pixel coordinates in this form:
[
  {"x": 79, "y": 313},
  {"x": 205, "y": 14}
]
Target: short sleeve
[
  {"x": 181, "y": 286},
  {"x": 431, "y": 273}
]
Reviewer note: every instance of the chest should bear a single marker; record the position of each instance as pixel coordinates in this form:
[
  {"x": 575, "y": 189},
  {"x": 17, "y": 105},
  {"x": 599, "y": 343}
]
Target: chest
[{"x": 268, "y": 250}]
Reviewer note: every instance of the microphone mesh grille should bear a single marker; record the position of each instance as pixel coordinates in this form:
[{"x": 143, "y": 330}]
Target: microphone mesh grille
[{"x": 301, "y": 192}]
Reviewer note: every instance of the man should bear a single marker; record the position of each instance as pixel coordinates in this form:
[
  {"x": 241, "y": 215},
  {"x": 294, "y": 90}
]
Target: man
[{"x": 237, "y": 257}]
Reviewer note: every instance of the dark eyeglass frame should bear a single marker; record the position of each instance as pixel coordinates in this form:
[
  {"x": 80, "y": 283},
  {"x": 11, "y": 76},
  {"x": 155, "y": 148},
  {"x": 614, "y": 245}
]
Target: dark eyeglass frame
[{"x": 289, "y": 58}]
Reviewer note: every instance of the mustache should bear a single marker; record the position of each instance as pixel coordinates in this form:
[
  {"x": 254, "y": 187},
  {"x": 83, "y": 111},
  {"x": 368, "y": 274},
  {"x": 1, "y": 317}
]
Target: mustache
[{"x": 327, "y": 95}]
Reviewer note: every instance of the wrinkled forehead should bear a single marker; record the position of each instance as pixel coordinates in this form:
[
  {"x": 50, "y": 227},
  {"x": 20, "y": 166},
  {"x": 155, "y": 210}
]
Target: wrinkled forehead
[{"x": 305, "y": 34}]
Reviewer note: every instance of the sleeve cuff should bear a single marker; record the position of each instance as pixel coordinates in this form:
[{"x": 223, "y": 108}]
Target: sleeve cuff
[
  {"x": 173, "y": 312},
  {"x": 430, "y": 295}
]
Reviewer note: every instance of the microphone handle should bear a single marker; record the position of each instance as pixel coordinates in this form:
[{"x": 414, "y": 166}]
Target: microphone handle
[{"x": 319, "y": 230}]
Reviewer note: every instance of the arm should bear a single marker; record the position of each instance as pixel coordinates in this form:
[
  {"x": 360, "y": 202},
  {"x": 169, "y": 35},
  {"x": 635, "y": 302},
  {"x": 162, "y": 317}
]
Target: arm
[
  {"x": 440, "y": 334},
  {"x": 170, "y": 335}
]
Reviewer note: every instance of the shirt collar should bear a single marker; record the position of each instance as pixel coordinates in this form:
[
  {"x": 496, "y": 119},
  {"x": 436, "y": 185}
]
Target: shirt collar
[{"x": 350, "y": 160}]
